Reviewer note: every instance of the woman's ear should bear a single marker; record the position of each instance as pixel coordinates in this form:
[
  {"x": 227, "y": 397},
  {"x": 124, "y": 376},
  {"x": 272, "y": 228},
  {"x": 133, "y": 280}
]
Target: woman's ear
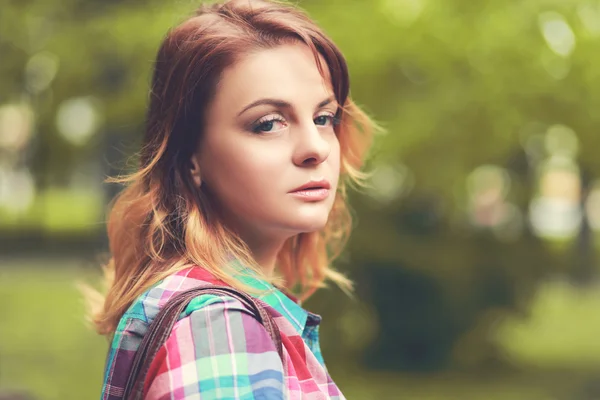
[{"x": 195, "y": 171}]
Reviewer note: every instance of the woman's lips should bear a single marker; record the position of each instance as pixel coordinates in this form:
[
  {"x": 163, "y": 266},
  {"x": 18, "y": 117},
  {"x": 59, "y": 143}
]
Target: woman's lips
[
  {"x": 314, "y": 184},
  {"x": 316, "y": 194}
]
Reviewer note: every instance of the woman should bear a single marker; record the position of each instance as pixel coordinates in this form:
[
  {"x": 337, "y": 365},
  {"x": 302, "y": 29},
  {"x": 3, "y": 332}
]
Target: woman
[{"x": 250, "y": 142}]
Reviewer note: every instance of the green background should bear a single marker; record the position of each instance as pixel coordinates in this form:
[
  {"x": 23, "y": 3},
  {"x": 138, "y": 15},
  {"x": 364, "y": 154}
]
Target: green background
[{"x": 475, "y": 251}]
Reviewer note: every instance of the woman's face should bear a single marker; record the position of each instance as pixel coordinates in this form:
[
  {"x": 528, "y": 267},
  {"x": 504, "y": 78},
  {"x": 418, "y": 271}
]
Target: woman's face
[{"x": 269, "y": 130}]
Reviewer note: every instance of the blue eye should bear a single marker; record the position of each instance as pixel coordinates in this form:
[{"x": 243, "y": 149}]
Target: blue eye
[
  {"x": 322, "y": 120},
  {"x": 267, "y": 124}
]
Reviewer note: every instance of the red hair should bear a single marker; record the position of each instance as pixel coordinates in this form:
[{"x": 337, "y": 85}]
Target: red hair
[{"x": 161, "y": 221}]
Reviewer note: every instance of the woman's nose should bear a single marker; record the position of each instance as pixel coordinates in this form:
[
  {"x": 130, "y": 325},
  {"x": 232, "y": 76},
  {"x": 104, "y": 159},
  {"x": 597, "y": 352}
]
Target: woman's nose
[{"x": 312, "y": 145}]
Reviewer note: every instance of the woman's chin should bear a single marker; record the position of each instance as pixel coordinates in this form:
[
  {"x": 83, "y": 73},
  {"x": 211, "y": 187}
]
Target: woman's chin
[{"x": 312, "y": 224}]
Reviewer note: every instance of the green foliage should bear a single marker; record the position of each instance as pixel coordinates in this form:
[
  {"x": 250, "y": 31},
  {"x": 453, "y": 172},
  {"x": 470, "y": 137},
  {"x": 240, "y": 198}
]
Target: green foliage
[{"x": 456, "y": 84}]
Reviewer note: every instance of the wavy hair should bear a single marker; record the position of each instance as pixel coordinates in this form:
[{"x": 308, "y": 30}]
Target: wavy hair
[{"x": 161, "y": 222}]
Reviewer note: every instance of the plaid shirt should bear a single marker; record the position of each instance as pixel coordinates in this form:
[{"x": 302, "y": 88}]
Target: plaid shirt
[{"x": 217, "y": 350}]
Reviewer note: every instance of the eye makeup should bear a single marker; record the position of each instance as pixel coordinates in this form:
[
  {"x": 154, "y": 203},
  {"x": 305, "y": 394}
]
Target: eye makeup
[{"x": 265, "y": 124}]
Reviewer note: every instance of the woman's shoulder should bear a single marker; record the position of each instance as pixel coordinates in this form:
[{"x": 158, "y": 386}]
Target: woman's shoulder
[
  {"x": 148, "y": 304},
  {"x": 208, "y": 328}
]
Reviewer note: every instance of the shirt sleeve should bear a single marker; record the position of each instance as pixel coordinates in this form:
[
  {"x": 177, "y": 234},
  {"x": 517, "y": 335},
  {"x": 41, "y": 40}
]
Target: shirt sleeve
[{"x": 219, "y": 351}]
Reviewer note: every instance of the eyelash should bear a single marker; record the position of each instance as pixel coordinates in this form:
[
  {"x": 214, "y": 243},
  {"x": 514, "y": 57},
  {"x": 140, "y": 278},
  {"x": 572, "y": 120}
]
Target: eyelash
[{"x": 270, "y": 118}]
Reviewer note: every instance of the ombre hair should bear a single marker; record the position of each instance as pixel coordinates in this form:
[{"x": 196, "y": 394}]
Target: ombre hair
[{"x": 161, "y": 222}]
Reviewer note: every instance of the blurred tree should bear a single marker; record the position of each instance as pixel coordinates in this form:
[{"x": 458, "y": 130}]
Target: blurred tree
[{"x": 458, "y": 85}]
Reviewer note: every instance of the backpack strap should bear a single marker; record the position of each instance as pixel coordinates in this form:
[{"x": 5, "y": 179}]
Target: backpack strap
[{"x": 160, "y": 329}]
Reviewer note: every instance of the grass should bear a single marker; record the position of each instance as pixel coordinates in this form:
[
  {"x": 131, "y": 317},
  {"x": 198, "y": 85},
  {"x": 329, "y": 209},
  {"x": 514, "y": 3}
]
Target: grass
[
  {"x": 562, "y": 330},
  {"x": 47, "y": 350}
]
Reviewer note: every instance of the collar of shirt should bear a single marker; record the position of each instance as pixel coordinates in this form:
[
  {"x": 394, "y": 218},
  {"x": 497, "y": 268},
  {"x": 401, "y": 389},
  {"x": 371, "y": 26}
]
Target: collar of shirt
[{"x": 286, "y": 304}]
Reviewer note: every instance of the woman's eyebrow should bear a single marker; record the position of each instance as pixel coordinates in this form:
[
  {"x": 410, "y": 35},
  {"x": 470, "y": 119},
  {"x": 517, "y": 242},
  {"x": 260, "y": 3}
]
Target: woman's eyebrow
[{"x": 281, "y": 103}]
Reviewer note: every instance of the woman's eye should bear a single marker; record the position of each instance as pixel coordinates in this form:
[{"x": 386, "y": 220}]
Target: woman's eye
[
  {"x": 269, "y": 124},
  {"x": 325, "y": 120}
]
